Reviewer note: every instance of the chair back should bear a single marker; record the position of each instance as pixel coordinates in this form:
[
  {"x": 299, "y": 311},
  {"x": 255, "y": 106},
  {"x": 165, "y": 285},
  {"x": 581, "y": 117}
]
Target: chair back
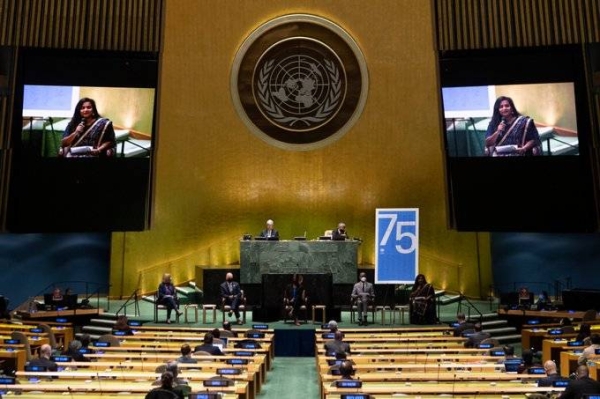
[
  {"x": 25, "y": 341},
  {"x": 50, "y": 333},
  {"x": 112, "y": 340}
]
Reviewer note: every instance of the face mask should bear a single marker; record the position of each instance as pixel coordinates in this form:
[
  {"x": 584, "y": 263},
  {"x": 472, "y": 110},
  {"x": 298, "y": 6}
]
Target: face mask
[
  {"x": 363, "y": 279},
  {"x": 229, "y": 279}
]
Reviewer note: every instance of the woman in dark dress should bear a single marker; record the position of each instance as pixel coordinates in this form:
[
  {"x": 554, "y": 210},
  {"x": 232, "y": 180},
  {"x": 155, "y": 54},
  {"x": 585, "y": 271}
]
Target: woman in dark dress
[{"x": 422, "y": 302}]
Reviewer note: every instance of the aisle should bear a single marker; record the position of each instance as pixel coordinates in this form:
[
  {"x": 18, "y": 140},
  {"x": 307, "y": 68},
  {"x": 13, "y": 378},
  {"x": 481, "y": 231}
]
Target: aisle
[{"x": 291, "y": 378}]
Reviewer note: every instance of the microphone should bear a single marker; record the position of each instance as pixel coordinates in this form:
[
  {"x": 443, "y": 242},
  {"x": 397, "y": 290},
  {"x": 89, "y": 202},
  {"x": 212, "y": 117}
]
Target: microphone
[
  {"x": 425, "y": 362},
  {"x": 70, "y": 392}
]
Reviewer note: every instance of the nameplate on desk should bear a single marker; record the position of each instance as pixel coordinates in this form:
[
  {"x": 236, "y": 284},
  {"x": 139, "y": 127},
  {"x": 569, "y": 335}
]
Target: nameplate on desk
[
  {"x": 61, "y": 320},
  {"x": 255, "y": 335},
  {"x": 229, "y": 371},
  {"x": 348, "y": 384},
  {"x": 237, "y": 361},
  {"x": 590, "y": 396},
  {"x": 204, "y": 395},
  {"x": 12, "y": 341},
  {"x": 119, "y": 333},
  {"x": 250, "y": 345},
  {"x": 36, "y": 330},
  {"x": 533, "y": 322},
  {"x": 556, "y": 331},
  {"x": 36, "y": 368},
  {"x": 99, "y": 344},
  {"x": 597, "y": 351},
  {"x": 217, "y": 382},
  {"x": 61, "y": 358},
  {"x": 578, "y": 351},
  {"x": 84, "y": 350},
  {"x": 498, "y": 352},
  {"x": 454, "y": 325},
  {"x": 134, "y": 323},
  {"x": 536, "y": 370},
  {"x": 575, "y": 343},
  {"x": 560, "y": 383},
  {"x": 485, "y": 346},
  {"x": 334, "y": 362},
  {"x": 328, "y": 335},
  {"x": 243, "y": 353},
  {"x": 7, "y": 380},
  {"x": 354, "y": 396},
  {"x": 260, "y": 326}
]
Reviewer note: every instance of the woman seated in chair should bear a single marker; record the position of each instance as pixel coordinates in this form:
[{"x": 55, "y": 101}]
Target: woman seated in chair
[
  {"x": 167, "y": 296},
  {"x": 294, "y": 297},
  {"x": 422, "y": 302}
]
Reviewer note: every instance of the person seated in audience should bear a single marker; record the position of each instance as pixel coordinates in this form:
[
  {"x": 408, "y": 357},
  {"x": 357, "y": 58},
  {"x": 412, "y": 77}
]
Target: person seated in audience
[
  {"x": 208, "y": 346},
  {"x": 337, "y": 344},
  {"x": 509, "y": 353},
  {"x": 551, "y": 374},
  {"x": 333, "y": 326},
  {"x": 122, "y": 325},
  {"x": 44, "y": 359},
  {"x": 186, "y": 355},
  {"x": 74, "y": 353},
  {"x": 543, "y": 301},
  {"x": 227, "y": 331},
  {"x": 581, "y": 385},
  {"x": 529, "y": 360},
  {"x": 86, "y": 340},
  {"x": 590, "y": 351},
  {"x": 346, "y": 370},
  {"x": 566, "y": 325},
  {"x": 475, "y": 339},
  {"x": 341, "y": 355},
  {"x": 217, "y": 337},
  {"x": 585, "y": 330},
  {"x": 166, "y": 389},
  {"x": 463, "y": 325},
  {"x": 167, "y": 296}
]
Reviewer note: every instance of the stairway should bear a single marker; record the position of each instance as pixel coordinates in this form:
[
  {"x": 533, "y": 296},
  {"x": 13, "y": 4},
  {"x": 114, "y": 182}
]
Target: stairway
[{"x": 498, "y": 329}]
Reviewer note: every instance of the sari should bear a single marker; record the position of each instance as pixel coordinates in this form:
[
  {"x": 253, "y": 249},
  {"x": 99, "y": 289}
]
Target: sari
[
  {"x": 100, "y": 132},
  {"x": 519, "y": 133}
]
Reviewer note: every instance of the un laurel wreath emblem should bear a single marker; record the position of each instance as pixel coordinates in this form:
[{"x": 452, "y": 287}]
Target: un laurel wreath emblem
[{"x": 299, "y": 82}]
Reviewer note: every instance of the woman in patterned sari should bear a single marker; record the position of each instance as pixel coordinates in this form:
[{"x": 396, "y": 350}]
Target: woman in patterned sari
[
  {"x": 509, "y": 133},
  {"x": 422, "y": 302},
  {"x": 88, "y": 134}
]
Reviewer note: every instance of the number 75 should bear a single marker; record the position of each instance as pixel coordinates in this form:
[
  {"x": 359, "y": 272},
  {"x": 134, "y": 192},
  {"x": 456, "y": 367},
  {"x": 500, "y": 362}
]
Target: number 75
[{"x": 400, "y": 234}]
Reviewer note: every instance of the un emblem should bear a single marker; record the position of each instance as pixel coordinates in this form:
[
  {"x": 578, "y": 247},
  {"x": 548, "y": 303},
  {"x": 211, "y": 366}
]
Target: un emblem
[{"x": 299, "y": 82}]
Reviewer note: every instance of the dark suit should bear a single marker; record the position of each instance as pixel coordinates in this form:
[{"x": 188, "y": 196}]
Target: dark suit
[
  {"x": 547, "y": 381},
  {"x": 577, "y": 388},
  {"x": 337, "y": 346},
  {"x": 43, "y": 362},
  {"x": 462, "y": 327},
  {"x": 213, "y": 350},
  {"x": 339, "y": 236},
  {"x": 475, "y": 339},
  {"x": 274, "y": 235},
  {"x": 231, "y": 296}
]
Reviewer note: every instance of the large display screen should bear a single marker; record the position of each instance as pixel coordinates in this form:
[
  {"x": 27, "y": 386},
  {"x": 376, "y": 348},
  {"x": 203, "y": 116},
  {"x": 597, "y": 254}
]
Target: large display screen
[
  {"x": 517, "y": 137},
  {"x": 83, "y": 140},
  {"x": 500, "y": 120}
]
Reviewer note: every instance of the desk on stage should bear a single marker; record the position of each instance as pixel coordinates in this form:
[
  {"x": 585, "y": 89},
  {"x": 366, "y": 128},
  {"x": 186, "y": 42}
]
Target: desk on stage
[
  {"x": 338, "y": 258},
  {"x": 70, "y": 314}
]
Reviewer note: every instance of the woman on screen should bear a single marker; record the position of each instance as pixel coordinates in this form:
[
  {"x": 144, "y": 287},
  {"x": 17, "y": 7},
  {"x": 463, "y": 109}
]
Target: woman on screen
[
  {"x": 509, "y": 133},
  {"x": 88, "y": 134}
]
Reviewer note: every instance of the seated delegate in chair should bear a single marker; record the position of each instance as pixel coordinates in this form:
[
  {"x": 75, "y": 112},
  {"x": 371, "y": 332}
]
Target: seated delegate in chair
[
  {"x": 74, "y": 352},
  {"x": 167, "y": 390},
  {"x": 208, "y": 346},
  {"x": 231, "y": 295},
  {"x": 44, "y": 359},
  {"x": 463, "y": 325},
  {"x": 422, "y": 302},
  {"x": 294, "y": 297},
  {"x": 186, "y": 355},
  {"x": 337, "y": 344},
  {"x": 122, "y": 325},
  {"x": 476, "y": 338},
  {"x": 167, "y": 296},
  {"x": 582, "y": 384},
  {"x": 363, "y": 294}
]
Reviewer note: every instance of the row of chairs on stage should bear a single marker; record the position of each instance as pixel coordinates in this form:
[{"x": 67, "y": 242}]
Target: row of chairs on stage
[{"x": 317, "y": 312}]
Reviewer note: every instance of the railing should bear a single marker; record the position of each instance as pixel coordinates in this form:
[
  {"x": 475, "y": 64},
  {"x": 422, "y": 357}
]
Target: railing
[{"x": 136, "y": 306}]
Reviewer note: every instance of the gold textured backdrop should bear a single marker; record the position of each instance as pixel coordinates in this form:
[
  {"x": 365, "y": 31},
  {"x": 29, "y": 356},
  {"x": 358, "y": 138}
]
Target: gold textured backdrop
[{"x": 215, "y": 181}]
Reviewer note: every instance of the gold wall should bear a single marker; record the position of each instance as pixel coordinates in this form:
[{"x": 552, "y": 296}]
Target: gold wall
[{"x": 214, "y": 180}]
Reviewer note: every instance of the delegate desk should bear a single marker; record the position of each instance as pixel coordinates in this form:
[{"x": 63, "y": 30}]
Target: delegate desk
[{"x": 338, "y": 258}]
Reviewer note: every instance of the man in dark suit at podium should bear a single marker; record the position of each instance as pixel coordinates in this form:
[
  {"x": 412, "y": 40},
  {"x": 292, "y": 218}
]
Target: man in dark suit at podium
[
  {"x": 339, "y": 234},
  {"x": 269, "y": 232},
  {"x": 231, "y": 295}
]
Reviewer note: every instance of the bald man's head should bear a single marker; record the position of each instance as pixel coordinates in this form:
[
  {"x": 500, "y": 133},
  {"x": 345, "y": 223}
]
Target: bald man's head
[
  {"x": 229, "y": 277},
  {"x": 550, "y": 367},
  {"x": 45, "y": 351}
]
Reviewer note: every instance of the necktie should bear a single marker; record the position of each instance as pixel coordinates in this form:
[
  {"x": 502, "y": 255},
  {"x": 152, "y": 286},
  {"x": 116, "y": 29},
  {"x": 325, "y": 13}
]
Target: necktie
[{"x": 364, "y": 290}]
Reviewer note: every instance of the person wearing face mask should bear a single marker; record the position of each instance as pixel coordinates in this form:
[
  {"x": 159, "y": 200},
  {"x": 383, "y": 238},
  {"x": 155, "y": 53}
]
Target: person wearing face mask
[
  {"x": 340, "y": 234},
  {"x": 362, "y": 294},
  {"x": 231, "y": 295}
]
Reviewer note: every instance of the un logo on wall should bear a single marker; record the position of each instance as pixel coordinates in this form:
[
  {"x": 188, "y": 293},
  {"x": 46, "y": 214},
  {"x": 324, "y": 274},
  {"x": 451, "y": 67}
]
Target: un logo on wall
[{"x": 299, "y": 82}]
